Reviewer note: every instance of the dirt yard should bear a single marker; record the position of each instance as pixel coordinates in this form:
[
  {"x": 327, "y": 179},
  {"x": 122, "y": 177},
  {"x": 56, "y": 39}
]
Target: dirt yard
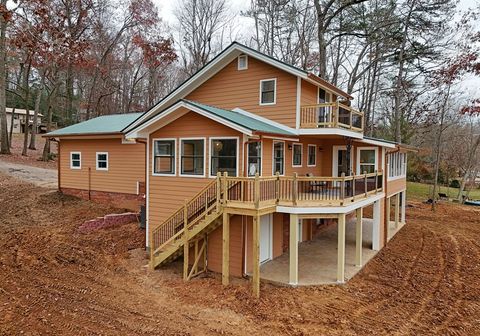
[
  {"x": 54, "y": 280},
  {"x": 32, "y": 158}
]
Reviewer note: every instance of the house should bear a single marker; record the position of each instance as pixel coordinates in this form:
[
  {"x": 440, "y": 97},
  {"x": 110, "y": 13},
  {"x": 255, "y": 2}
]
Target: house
[
  {"x": 249, "y": 161},
  {"x": 96, "y": 162},
  {"x": 19, "y": 117}
]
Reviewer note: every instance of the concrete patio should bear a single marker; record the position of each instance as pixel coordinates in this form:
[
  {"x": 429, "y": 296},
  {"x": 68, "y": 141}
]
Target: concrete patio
[{"x": 317, "y": 259}]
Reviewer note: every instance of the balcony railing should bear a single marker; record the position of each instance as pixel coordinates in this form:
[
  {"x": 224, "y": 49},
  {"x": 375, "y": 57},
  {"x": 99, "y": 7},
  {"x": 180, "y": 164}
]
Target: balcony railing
[
  {"x": 258, "y": 192},
  {"x": 331, "y": 115}
]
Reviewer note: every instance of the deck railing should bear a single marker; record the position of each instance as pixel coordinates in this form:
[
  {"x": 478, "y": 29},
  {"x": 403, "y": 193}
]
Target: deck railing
[
  {"x": 298, "y": 190},
  {"x": 331, "y": 115}
]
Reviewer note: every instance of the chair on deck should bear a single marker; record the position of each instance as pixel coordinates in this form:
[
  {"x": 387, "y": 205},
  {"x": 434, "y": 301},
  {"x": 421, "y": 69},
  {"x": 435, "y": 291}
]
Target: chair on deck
[{"x": 316, "y": 185}]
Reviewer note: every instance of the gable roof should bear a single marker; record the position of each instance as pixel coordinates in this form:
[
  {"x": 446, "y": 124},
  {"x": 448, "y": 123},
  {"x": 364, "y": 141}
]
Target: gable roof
[
  {"x": 239, "y": 121},
  {"x": 218, "y": 63},
  {"x": 108, "y": 124}
]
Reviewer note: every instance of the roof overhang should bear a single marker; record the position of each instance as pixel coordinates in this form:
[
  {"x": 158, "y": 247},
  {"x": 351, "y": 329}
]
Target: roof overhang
[
  {"x": 84, "y": 136},
  {"x": 378, "y": 143},
  {"x": 330, "y": 131},
  {"x": 174, "y": 112}
]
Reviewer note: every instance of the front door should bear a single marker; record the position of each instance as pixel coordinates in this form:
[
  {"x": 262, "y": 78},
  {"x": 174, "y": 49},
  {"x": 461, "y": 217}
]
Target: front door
[
  {"x": 265, "y": 238},
  {"x": 342, "y": 163}
]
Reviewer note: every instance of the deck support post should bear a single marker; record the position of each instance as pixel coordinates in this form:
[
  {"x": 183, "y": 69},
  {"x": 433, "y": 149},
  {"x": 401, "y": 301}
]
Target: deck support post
[
  {"x": 358, "y": 237},
  {"x": 256, "y": 256},
  {"x": 293, "y": 263},
  {"x": 388, "y": 210},
  {"x": 341, "y": 249},
  {"x": 397, "y": 210},
  {"x": 226, "y": 249},
  {"x": 376, "y": 226},
  {"x": 185, "y": 242},
  {"x": 404, "y": 205}
]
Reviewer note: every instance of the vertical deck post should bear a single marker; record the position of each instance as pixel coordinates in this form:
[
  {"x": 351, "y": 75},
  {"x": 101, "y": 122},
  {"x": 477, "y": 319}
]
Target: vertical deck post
[
  {"x": 185, "y": 242},
  {"x": 256, "y": 256},
  {"x": 404, "y": 205},
  {"x": 387, "y": 216},
  {"x": 256, "y": 191},
  {"x": 226, "y": 249},
  {"x": 225, "y": 188},
  {"x": 359, "y": 237},
  {"x": 376, "y": 226},
  {"x": 295, "y": 189},
  {"x": 219, "y": 190},
  {"x": 397, "y": 210},
  {"x": 341, "y": 249},
  {"x": 277, "y": 187},
  {"x": 293, "y": 263}
]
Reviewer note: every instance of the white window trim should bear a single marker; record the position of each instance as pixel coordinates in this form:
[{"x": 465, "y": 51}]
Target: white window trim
[
  {"x": 301, "y": 154},
  {"x": 261, "y": 158},
  {"x": 96, "y": 161},
  {"x": 210, "y": 153},
  {"x": 359, "y": 149},
  {"x": 174, "y": 154},
  {"x": 273, "y": 157},
  {"x": 327, "y": 94},
  {"x": 246, "y": 62},
  {"x": 71, "y": 161},
  {"x": 204, "y": 157},
  {"x": 274, "y": 92},
  {"x": 308, "y": 155}
]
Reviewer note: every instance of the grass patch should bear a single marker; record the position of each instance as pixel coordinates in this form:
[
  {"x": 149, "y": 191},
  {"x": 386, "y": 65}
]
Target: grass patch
[{"x": 423, "y": 191}]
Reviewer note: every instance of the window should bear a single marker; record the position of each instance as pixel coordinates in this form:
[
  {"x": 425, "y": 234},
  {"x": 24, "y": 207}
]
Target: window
[
  {"x": 164, "y": 157},
  {"x": 267, "y": 91},
  {"x": 102, "y": 161},
  {"x": 254, "y": 158},
  {"x": 278, "y": 157},
  {"x": 367, "y": 160},
  {"x": 297, "y": 155},
  {"x": 242, "y": 62},
  {"x": 75, "y": 160},
  {"x": 223, "y": 155},
  {"x": 397, "y": 165},
  {"x": 192, "y": 160},
  {"x": 323, "y": 96},
  {"x": 312, "y": 156}
]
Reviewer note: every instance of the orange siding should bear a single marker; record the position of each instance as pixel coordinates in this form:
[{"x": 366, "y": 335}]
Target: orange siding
[
  {"x": 309, "y": 93},
  {"x": 231, "y": 88},
  {"x": 126, "y": 165},
  {"x": 168, "y": 193}
]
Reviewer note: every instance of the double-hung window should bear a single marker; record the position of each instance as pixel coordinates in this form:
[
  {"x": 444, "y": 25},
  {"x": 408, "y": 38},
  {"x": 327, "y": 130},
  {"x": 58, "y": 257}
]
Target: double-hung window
[
  {"x": 278, "y": 157},
  {"x": 75, "y": 160},
  {"x": 367, "y": 160},
  {"x": 312, "y": 156},
  {"x": 164, "y": 157},
  {"x": 102, "y": 161},
  {"x": 297, "y": 155},
  {"x": 223, "y": 156},
  {"x": 254, "y": 158},
  {"x": 268, "y": 93},
  {"x": 192, "y": 160}
]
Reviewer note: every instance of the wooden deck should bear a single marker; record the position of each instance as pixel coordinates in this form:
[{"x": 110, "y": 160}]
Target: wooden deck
[{"x": 331, "y": 115}]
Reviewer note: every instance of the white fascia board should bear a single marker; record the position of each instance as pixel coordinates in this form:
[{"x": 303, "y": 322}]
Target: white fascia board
[
  {"x": 143, "y": 129},
  {"x": 265, "y": 120},
  {"x": 378, "y": 143},
  {"x": 330, "y": 210},
  {"x": 330, "y": 131}
]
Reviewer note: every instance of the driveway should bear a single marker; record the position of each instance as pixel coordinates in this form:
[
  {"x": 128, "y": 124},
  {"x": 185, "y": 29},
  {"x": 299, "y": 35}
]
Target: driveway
[{"x": 42, "y": 177}]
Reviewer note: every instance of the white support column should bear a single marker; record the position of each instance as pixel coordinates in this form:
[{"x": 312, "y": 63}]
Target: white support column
[
  {"x": 404, "y": 206},
  {"x": 359, "y": 237},
  {"x": 341, "y": 249},
  {"x": 293, "y": 275},
  {"x": 376, "y": 226},
  {"x": 397, "y": 210}
]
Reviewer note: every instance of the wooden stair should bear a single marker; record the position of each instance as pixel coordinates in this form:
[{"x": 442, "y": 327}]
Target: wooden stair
[{"x": 198, "y": 217}]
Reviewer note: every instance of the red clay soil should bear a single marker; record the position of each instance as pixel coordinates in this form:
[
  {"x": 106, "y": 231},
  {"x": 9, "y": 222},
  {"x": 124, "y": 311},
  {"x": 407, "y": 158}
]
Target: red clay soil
[
  {"x": 33, "y": 156},
  {"x": 54, "y": 280}
]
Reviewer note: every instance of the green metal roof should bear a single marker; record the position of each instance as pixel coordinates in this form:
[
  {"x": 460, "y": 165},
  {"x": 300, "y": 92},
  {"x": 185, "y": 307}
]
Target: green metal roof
[
  {"x": 107, "y": 124},
  {"x": 240, "y": 119}
]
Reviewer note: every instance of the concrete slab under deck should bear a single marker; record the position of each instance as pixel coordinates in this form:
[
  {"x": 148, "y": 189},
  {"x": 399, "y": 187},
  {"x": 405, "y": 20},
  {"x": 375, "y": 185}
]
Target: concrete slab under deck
[{"x": 317, "y": 259}]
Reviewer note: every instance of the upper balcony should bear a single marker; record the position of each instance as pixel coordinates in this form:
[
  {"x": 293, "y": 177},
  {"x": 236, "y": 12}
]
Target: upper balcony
[{"x": 331, "y": 115}]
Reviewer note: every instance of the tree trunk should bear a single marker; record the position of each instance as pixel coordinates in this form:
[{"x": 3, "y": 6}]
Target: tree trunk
[
  {"x": 35, "y": 117},
  {"x": 10, "y": 138},
  {"x": 27, "y": 109},
  {"x": 4, "y": 145}
]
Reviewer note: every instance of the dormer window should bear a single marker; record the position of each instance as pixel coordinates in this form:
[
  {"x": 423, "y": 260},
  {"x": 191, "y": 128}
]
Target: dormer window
[
  {"x": 242, "y": 62},
  {"x": 268, "y": 94}
]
